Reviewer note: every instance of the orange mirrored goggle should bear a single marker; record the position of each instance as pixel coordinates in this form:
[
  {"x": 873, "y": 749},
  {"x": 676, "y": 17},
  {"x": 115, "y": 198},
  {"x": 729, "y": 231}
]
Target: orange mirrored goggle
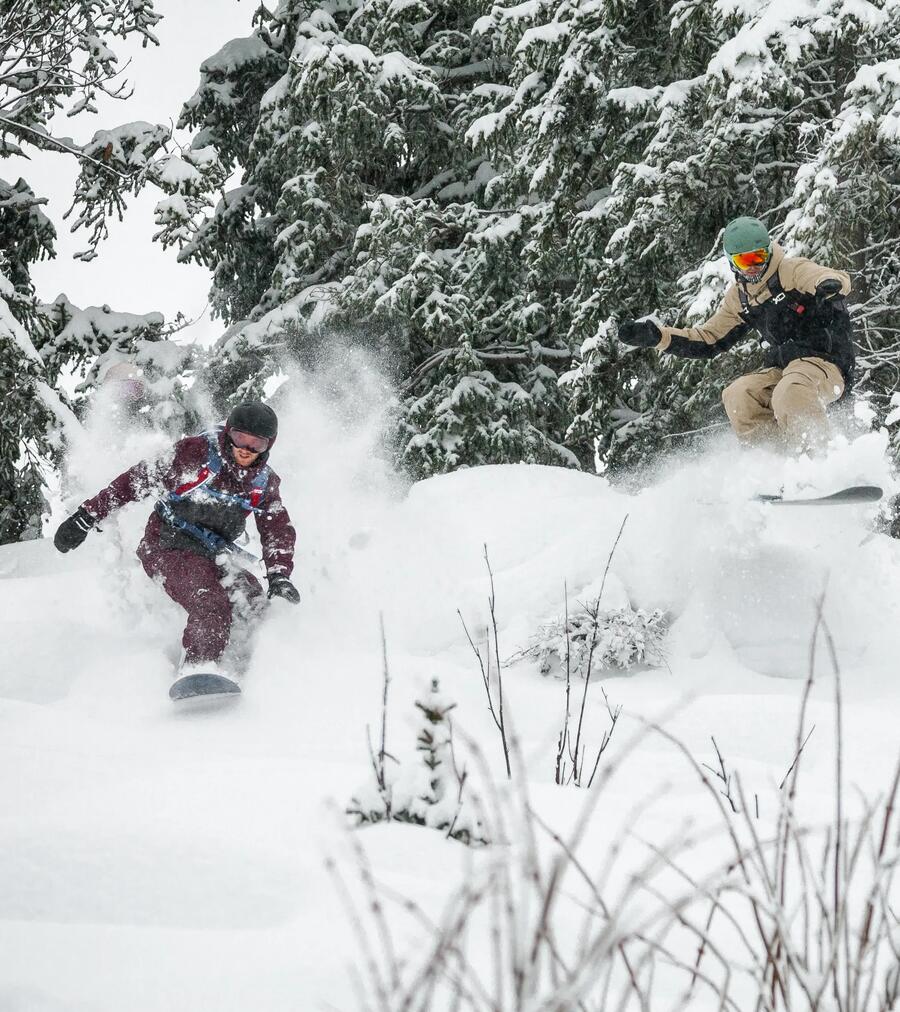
[{"x": 753, "y": 258}]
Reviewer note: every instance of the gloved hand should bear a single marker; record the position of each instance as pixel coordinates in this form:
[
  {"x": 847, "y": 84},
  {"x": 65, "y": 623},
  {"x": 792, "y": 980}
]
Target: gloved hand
[
  {"x": 827, "y": 290},
  {"x": 73, "y": 530},
  {"x": 281, "y": 586},
  {"x": 640, "y": 333}
]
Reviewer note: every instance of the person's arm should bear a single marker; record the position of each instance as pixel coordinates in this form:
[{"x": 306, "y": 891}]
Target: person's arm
[
  {"x": 723, "y": 330},
  {"x": 278, "y": 537},
  {"x": 150, "y": 477},
  {"x": 132, "y": 485},
  {"x": 138, "y": 482}
]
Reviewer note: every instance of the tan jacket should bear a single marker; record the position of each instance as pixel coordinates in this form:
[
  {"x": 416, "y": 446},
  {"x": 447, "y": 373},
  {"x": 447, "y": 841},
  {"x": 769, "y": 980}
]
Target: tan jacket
[{"x": 795, "y": 274}]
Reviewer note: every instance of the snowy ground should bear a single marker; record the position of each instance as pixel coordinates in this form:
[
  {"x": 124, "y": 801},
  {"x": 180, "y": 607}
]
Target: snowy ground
[{"x": 155, "y": 859}]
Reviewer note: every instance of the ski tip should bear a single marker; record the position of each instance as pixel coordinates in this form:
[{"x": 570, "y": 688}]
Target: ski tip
[
  {"x": 203, "y": 685},
  {"x": 867, "y": 493},
  {"x": 854, "y": 494}
]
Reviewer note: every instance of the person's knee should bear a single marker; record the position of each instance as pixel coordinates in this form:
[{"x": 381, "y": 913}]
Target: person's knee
[
  {"x": 796, "y": 395},
  {"x": 736, "y": 395},
  {"x": 211, "y": 606},
  {"x": 243, "y": 589}
]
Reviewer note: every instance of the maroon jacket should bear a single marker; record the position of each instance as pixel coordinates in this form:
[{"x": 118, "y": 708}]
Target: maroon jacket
[{"x": 191, "y": 453}]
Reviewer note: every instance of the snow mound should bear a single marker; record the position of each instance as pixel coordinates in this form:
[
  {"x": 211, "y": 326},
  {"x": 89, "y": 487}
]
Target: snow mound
[{"x": 151, "y": 859}]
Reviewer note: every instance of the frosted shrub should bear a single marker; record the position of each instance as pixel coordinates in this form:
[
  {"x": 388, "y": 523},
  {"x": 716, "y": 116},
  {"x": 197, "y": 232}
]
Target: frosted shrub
[
  {"x": 790, "y": 915},
  {"x": 429, "y": 792},
  {"x": 598, "y": 640}
]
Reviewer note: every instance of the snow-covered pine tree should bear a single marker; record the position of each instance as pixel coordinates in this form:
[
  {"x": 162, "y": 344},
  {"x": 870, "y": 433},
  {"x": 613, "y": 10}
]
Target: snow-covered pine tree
[
  {"x": 55, "y": 57},
  {"x": 438, "y": 799},
  {"x": 595, "y": 640},
  {"x": 359, "y": 178},
  {"x": 452, "y": 275},
  {"x": 27, "y": 421},
  {"x": 509, "y": 287},
  {"x": 441, "y": 800},
  {"x": 479, "y": 387},
  {"x": 485, "y": 284},
  {"x": 236, "y": 240},
  {"x": 556, "y": 138},
  {"x": 496, "y": 185},
  {"x": 331, "y": 113}
]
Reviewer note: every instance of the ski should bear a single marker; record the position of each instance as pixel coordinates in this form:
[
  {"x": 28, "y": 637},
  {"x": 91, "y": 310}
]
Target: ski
[
  {"x": 855, "y": 494},
  {"x": 205, "y": 685}
]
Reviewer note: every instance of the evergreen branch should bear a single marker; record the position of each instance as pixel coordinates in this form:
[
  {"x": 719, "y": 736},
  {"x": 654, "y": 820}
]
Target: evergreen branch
[
  {"x": 61, "y": 145},
  {"x": 492, "y": 353}
]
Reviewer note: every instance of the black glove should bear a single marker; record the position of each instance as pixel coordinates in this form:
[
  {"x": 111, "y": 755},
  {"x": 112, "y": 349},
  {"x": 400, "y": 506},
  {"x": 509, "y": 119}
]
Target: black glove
[
  {"x": 640, "y": 333},
  {"x": 281, "y": 586},
  {"x": 827, "y": 290},
  {"x": 73, "y": 530}
]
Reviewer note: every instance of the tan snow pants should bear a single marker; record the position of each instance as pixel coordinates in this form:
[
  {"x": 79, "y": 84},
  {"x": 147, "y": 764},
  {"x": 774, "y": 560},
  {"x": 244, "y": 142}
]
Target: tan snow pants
[{"x": 788, "y": 403}]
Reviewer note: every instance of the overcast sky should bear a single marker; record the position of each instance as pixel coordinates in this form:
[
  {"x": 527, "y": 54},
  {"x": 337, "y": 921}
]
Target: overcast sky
[{"x": 132, "y": 273}]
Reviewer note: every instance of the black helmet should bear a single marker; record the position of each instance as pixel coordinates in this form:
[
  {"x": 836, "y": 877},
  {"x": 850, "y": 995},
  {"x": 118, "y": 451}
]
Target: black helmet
[{"x": 256, "y": 418}]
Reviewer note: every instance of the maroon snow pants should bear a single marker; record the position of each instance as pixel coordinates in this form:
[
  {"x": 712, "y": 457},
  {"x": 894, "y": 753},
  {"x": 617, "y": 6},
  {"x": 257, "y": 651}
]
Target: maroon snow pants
[{"x": 208, "y": 592}]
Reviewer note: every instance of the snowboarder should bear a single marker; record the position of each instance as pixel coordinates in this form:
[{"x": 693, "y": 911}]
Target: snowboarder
[
  {"x": 798, "y": 309},
  {"x": 210, "y": 486}
]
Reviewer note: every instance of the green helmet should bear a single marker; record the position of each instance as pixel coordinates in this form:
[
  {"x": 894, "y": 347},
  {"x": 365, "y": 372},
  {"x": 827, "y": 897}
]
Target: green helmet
[{"x": 745, "y": 234}]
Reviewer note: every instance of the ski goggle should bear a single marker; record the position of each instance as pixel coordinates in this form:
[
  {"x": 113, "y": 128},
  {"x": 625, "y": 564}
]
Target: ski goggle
[
  {"x": 247, "y": 441},
  {"x": 753, "y": 258}
]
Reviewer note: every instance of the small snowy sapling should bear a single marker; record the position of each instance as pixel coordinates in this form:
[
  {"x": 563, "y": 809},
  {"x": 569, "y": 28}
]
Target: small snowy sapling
[{"x": 427, "y": 793}]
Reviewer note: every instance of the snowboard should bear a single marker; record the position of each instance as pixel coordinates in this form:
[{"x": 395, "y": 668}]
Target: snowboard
[
  {"x": 855, "y": 494},
  {"x": 203, "y": 686}
]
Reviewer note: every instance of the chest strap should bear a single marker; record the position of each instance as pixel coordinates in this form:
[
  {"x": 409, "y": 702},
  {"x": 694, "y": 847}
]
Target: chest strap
[
  {"x": 777, "y": 296},
  {"x": 214, "y": 543},
  {"x": 207, "y": 474}
]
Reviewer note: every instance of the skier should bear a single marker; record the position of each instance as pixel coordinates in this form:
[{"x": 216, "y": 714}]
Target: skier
[
  {"x": 210, "y": 486},
  {"x": 798, "y": 309}
]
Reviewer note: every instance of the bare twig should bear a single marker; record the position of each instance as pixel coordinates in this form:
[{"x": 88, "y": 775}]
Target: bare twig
[
  {"x": 577, "y": 754},
  {"x": 384, "y": 706},
  {"x": 577, "y": 763},
  {"x": 564, "y": 734},
  {"x": 796, "y": 757},
  {"x": 484, "y": 664},
  {"x": 501, "y": 722},
  {"x": 607, "y": 735},
  {"x": 722, "y": 774}
]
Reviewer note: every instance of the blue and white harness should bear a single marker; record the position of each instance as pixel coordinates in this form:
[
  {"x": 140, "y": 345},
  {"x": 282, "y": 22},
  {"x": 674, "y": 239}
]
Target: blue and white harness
[{"x": 215, "y": 543}]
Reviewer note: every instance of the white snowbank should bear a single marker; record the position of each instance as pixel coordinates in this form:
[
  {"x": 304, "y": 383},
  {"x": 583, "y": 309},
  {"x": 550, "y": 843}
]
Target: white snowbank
[{"x": 154, "y": 859}]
